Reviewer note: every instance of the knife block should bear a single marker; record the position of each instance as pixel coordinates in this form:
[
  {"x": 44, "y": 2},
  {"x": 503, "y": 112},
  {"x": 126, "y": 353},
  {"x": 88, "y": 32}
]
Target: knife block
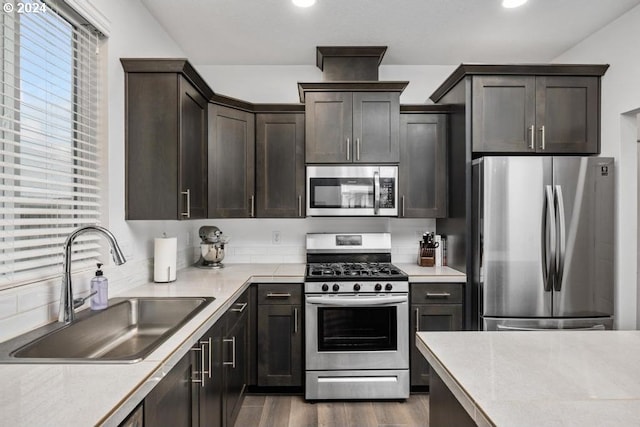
[{"x": 426, "y": 256}]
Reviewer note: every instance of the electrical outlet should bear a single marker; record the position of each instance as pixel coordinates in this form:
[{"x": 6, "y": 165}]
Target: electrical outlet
[{"x": 275, "y": 237}]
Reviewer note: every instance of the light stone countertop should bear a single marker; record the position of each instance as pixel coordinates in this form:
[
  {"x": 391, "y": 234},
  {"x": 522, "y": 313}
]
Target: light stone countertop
[
  {"x": 540, "y": 378},
  {"x": 419, "y": 274},
  {"x": 104, "y": 394}
]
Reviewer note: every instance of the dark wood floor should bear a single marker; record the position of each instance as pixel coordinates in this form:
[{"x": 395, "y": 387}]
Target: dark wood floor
[{"x": 293, "y": 411}]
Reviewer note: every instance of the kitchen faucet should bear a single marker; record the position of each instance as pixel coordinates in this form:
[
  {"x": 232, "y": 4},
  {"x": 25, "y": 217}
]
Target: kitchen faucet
[{"x": 67, "y": 303}]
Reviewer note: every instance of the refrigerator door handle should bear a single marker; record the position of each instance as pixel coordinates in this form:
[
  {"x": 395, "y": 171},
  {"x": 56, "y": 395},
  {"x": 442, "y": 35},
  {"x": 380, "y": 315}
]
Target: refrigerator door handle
[
  {"x": 560, "y": 254},
  {"x": 548, "y": 239}
]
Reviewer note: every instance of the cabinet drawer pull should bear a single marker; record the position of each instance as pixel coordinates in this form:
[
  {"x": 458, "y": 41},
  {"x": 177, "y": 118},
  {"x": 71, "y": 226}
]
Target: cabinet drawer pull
[
  {"x": 402, "y": 210},
  {"x": 532, "y": 132},
  {"x": 278, "y": 295},
  {"x": 357, "y": 148},
  {"x": 232, "y": 340},
  {"x": 252, "y": 203},
  {"x": 187, "y": 193},
  {"x": 417, "y": 320},
  {"x": 242, "y": 305},
  {"x": 300, "y": 206},
  {"x": 295, "y": 320},
  {"x": 438, "y": 295},
  {"x": 542, "y": 139}
]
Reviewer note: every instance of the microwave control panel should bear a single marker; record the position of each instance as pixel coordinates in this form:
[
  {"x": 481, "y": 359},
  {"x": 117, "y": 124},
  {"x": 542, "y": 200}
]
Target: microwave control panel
[{"x": 387, "y": 192}]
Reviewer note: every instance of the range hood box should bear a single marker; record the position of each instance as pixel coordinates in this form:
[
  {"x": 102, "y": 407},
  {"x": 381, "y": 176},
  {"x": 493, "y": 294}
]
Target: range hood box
[{"x": 349, "y": 63}]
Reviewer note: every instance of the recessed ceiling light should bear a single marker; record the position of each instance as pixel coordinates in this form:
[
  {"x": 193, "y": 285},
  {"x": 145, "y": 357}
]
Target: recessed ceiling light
[
  {"x": 510, "y": 4},
  {"x": 304, "y": 3}
]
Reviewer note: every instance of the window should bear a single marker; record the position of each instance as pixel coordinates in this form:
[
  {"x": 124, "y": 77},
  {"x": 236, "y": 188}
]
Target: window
[{"x": 49, "y": 157}]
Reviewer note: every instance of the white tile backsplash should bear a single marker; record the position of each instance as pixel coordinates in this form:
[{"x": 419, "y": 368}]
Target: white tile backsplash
[{"x": 8, "y": 306}]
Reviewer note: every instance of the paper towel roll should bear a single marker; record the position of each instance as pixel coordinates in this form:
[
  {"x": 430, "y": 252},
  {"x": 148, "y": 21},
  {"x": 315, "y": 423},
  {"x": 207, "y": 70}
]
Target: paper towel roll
[{"x": 164, "y": 259}]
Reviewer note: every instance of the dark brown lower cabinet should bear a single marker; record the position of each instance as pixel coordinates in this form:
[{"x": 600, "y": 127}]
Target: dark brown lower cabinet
[
  {"x": 209, "y": 370},
  {"x": 174, "y": 401},
  {"x": 234, "y": 366},
  {"x": 279, "y": 345},
  {"x": 279, "y": 335},
  {"x": 434, "y": 307},
  {"x": 206, "y": 388}
]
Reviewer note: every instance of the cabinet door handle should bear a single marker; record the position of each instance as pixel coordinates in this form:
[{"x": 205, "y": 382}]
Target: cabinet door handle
[
  {"x": 202, "y": 344},
  {"x": 300, "y": 206},
  {"x": 278, "y": 295},
  {"x": 295, "y": 320},
  {"x": 532, "y": 132},
  {"x": 242, "y": 305},
  {"x": 542, "y": 141},
  {"x": 252, "y": 203},
  {"x": 402, "y": 207},
  {"x": 438, "y": 295},
  {"x": 187, "y": 193},
  {"x": 417, "y": 320},
  {"x": 357, "y": 148},
  {"x": 232, "y": 340},
  {"x": 348, "y": 149},
  {"x": 202, "y": 372}
]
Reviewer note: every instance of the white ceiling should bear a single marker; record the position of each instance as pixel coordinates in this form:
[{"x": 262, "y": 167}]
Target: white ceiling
[{"x": 417, "y": 32}]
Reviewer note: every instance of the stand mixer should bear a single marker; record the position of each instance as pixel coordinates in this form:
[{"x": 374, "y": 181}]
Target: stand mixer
[{"x": 211, "y": 247}]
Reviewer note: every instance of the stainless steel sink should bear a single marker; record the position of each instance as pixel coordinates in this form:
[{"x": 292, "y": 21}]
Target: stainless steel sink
[{"x": 127, "y": 331}]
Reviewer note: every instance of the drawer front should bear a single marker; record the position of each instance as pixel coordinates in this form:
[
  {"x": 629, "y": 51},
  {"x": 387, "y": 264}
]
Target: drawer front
[
  {"x": 280, "y": 293},
  {"x": 436, "y": 293}
]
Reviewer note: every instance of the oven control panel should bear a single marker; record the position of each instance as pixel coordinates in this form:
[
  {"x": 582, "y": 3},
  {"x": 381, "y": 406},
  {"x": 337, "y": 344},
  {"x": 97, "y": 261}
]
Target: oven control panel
[{"x": 355, "y": 287}]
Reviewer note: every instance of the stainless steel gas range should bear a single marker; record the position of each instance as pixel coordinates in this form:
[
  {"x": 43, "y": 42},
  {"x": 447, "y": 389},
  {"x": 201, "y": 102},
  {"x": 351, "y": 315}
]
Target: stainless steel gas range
[{"x": 356, "y": 318}]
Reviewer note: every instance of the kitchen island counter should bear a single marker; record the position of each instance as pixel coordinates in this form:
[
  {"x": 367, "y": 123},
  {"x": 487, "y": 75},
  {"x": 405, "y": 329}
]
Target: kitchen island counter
[{"x": 558, "y": 378}]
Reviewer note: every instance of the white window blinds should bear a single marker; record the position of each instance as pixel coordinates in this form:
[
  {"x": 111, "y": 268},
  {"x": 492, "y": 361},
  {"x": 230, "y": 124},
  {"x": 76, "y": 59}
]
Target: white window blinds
[{"x": 49, "y": 157}]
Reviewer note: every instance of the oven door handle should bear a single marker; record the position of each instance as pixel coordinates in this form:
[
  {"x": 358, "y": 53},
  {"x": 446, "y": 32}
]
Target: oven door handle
[{"x": 357, "y": 301}]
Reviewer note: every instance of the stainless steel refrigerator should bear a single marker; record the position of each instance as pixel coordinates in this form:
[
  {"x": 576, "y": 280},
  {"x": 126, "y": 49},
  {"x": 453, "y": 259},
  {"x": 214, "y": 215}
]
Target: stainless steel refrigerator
[{"x": 543, "y": 242}]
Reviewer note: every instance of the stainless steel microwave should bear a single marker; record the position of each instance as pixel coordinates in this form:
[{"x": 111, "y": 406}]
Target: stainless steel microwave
[{"x": 346, "y": 190}]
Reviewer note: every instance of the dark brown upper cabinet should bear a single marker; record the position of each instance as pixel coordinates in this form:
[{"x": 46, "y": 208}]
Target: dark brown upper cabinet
[
  {"x": 422, "y": 184},
  {"x": 352, "y": 122},
  {"x": 352, "y": 127},
  {"x": 165, "y": 140},
  {"x": 536, "y": 114},
  {"x": 280, "y": 168},
  {"x": 231, "y": 163},
  {"x": 528, "y": 108}
]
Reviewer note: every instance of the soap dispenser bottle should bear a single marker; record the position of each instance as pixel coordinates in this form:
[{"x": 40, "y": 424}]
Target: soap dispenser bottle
[{"x": 99, "y": 289}]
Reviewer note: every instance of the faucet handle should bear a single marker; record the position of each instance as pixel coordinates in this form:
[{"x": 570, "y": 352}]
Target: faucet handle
[{"x": 77, "y": 302}]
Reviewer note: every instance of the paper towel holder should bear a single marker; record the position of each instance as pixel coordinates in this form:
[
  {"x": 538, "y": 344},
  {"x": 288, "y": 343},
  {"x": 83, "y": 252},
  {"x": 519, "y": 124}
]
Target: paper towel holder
[{"x": 164, "y": 261}]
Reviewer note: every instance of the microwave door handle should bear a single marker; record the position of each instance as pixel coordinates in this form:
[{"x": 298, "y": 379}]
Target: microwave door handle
[{"x": 376, "y": 193}]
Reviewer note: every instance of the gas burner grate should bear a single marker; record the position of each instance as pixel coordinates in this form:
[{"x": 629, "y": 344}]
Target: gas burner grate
[{"x": 350, "y": 270}]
